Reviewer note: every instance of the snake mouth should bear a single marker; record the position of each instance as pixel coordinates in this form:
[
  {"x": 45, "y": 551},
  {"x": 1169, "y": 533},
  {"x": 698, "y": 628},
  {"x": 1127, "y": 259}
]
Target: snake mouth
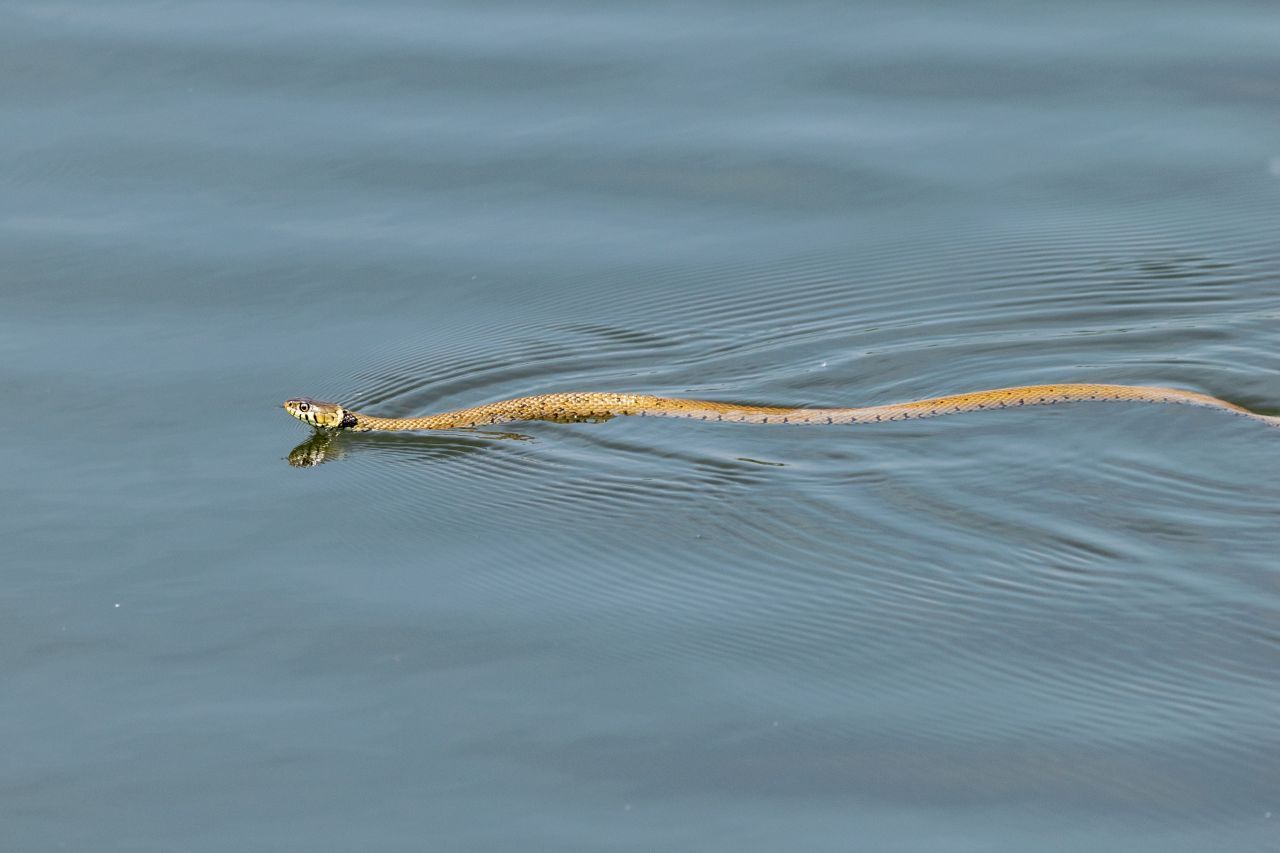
[{"x": 300, "y": 410}]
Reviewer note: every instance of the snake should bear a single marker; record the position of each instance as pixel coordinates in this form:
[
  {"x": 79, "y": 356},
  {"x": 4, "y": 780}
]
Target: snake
[{"x": 579, "y": 406}]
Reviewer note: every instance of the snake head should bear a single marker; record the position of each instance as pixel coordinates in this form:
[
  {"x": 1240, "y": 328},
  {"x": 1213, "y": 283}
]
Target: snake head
[{"x": 319, "y": 414}]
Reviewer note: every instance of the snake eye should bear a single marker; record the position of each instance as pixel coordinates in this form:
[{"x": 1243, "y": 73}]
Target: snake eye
[{"x": 304, "y": 407}]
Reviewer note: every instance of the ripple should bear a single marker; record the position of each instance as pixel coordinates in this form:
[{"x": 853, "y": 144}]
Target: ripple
[{"x": 1049, "y": 559}]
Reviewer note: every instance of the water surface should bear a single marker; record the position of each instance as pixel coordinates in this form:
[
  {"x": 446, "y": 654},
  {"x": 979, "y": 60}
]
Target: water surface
[{"x": 1050, "y": 629}]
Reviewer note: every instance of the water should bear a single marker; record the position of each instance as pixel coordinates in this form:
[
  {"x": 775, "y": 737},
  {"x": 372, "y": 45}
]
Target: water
[{"x": 1050, "y": 629}]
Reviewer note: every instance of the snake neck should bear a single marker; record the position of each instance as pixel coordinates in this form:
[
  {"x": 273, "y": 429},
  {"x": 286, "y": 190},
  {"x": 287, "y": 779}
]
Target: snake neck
[
  {"x": 368, "y": 423},
  {"x": 565, "y": 407}
]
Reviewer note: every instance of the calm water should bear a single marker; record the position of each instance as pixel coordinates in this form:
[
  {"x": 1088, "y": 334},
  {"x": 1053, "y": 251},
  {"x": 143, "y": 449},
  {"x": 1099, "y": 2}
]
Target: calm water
[{"x": 1049, "y": 629}]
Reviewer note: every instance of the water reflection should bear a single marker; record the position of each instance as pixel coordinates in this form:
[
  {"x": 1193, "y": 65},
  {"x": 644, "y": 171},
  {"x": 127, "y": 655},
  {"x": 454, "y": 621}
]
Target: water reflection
[
  {"x": 320, "y": 448},
  {"x": 331, "y": 445}
]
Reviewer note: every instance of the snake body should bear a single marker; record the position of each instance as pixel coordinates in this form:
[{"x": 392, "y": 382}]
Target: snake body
[{"x": 592, "y": 406}]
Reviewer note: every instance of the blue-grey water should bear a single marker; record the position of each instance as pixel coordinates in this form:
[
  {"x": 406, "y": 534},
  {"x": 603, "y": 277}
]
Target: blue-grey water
[{"x": 1051, "y": 629}]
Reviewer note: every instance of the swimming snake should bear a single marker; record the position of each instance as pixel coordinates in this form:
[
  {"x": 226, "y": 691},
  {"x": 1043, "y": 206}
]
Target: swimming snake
[{"x": 595, "y": 406}]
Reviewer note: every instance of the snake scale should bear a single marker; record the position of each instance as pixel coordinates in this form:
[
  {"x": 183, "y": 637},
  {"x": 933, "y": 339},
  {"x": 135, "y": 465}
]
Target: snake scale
[{"x": 595, "y": 406}]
